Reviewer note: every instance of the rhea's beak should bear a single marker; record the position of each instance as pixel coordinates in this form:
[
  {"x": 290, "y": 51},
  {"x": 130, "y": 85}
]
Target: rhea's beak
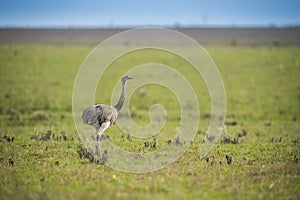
[{"x": 129, "y": 78}]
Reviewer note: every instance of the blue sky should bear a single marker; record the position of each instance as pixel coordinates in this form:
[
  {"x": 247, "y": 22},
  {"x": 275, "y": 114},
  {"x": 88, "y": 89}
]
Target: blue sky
[{"x": 45, "y": 13}]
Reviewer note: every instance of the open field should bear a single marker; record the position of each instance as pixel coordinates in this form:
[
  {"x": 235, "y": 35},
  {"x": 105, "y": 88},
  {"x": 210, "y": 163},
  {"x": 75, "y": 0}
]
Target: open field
[{"x": 41, "y": 155}]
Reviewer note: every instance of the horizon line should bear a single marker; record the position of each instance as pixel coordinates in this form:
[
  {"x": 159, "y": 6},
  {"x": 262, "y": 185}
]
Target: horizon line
[{"x": 71, "y": 26}]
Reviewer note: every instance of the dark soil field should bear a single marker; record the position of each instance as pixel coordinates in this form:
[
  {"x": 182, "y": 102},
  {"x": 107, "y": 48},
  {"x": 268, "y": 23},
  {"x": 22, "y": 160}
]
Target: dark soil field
[{"x": 231, "y": 36}]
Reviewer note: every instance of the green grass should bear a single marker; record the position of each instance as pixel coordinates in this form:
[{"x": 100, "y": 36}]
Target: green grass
[{"x": 263, "y": 97}]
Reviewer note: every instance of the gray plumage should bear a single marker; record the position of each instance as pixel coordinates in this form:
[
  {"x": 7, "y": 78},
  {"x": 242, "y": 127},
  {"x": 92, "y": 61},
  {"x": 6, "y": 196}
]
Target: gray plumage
[
  {"x": 102, "y": 116},
  {"x": 96, "y": 114}
]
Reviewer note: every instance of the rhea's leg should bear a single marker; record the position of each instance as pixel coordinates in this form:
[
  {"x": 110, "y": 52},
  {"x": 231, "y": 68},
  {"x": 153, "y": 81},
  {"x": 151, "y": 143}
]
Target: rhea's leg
[
  {"x": 100, "y": 131},
  {"x": 98, "y": 135}
]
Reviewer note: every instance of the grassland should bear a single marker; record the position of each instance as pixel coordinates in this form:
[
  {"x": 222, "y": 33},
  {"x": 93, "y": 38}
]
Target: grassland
[{"x": 258, "y": 158}]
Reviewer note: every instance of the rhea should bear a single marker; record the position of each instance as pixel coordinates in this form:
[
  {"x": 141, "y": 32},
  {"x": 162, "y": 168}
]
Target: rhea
[{"x": 102, "y": 116}]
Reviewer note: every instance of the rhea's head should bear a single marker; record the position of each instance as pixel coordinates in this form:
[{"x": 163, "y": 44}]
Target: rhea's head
[{"x": 126, "y": 78}]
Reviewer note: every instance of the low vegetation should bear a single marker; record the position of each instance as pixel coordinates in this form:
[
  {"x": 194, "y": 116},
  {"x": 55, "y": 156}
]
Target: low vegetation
[{"x": 257, "y": 157}]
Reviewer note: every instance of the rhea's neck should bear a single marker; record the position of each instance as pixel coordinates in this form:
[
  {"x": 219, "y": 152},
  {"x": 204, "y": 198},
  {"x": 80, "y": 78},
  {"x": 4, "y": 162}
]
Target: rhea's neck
[{"x": 119, "y": 105}]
